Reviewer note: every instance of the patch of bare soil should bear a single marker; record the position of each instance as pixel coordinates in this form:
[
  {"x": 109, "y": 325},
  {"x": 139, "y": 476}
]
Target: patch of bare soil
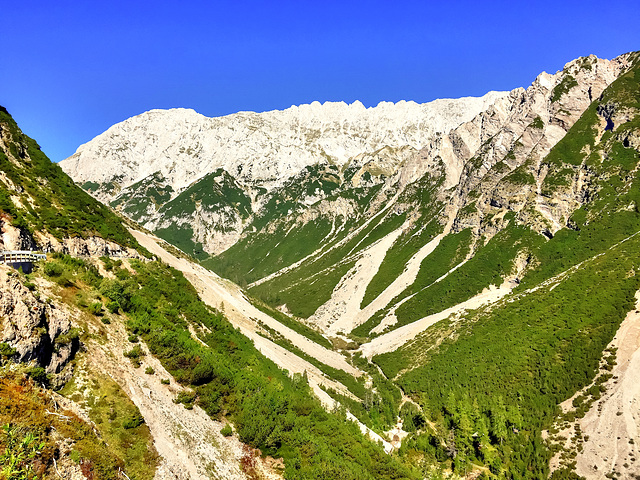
[
  {"x": 611, "y": 427},
  {"x": 189, "y": 442},
  {"x": 396, "y": 338}
]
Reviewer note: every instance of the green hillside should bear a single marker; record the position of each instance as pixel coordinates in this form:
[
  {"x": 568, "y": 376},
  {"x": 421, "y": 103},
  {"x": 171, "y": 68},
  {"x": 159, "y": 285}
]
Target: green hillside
[
  {"x": 492, "y": 381},
  {"x": 228, "y": 377},
  {"x": 38, "y": 195}
]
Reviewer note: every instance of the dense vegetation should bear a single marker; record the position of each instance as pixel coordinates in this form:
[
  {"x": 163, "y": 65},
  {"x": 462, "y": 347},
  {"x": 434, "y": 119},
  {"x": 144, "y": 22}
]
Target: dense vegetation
[
  {"x": 534, "y": 352},
  {"x": 229, "y": 377},
  {"x": 49, "y": 200},
  {"x": 261, "y": 253},
  {"x": 491, "y": 382},
  {"x": 306, "y": 287}
]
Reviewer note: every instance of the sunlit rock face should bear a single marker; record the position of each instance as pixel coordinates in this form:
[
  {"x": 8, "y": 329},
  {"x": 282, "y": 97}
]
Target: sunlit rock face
[{"x": 261, "y": 149}]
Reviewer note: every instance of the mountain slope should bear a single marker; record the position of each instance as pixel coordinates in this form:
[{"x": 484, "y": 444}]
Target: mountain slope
[
  {"x": 38, "y": 197},
  {"x": 545, "y": 342},
  {"x": 484, "y": 271},
  {"x": 170, "y": 151},
  {"x": 89, "y": 324},
  {"x": 297, "y": 237}
]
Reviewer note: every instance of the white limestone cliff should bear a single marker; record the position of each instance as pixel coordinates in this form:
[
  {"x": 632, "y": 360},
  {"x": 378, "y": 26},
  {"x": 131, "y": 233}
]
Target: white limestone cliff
[{"x": 261, "y": 149}]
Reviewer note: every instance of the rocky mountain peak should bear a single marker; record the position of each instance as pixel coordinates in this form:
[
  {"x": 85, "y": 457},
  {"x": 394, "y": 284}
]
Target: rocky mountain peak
[
  {"x": 259, "y": 149},
  {"x": 163, "y": 168}
]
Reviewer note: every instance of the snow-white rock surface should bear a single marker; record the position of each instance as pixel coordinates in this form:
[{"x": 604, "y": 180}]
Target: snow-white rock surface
[{"x": 260, "y": 148}]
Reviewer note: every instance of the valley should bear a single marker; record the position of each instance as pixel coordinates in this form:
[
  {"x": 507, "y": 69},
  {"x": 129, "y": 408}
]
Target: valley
[{"x": 445, "y": 290}]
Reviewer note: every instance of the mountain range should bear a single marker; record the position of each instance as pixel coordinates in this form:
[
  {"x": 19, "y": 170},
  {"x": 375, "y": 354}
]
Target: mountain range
[{"x": 456, "y": 280}]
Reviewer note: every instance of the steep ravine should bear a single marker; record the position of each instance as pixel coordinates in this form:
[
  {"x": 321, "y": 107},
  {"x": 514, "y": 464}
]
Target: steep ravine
[{"x": 216, "y": 291}]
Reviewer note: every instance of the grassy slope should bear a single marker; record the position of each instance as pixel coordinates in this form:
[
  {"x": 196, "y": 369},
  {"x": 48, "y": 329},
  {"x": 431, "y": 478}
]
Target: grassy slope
[
  {"x": 23, "y": 408},
  {"x": 229, "y": 377},
  {"x": 508, "y": 367},
  {"x": 308, "y": 286},
  {"x": 59, "y": 206},
  {"x": 450, "y": 251},
  {"x": 420, "y": 195},
  {"x": 264, "y": 252}
]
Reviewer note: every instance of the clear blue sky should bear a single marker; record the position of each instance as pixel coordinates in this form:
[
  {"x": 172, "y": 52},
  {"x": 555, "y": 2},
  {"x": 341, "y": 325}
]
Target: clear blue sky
[{"x": 71, "y": 69}]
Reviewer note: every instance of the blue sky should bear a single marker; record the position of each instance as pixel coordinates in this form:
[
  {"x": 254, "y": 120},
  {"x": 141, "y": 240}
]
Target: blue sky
[{"x": 71, "y": 69}]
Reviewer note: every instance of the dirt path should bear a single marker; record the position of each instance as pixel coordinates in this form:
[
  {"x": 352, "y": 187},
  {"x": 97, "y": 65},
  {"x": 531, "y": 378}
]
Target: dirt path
[
  {"x": 396, "y": 338},
  {"x": 613, "y": 423}
]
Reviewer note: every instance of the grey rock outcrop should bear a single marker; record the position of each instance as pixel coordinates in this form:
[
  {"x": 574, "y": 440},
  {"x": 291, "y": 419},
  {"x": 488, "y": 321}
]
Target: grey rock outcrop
[
  {"x": 37, "y": 330},
  {"x": 84, "y": 247},
  {"x": 14, "y": 238}
]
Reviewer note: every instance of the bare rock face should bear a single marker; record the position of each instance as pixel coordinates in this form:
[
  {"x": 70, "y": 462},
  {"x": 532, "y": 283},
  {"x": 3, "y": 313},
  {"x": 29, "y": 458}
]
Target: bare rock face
[
  {"x": 84, "y": 247},
  {"x": 496, "y": 160},
  {"x": 14, "y": 238},
  {"x": 147, "y": 165},
  {"x": 38, "y": 331},
  {"x": 257, "y": 148}
]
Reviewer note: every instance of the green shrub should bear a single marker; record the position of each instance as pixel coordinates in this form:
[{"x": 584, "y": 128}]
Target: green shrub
[
  {"x": 38, "y": 375},
  {"x": 68, "y": 337},
  {"x": 537, "y": 123},
  {"x": 227, "y": 431},
  {"x": 53, "y": 269},
  {"x": 185, "y": 397},
  {"x": 134, "y": 420},
  {"x": 7, "y": 350},
  {"x": 135, "y": 355},
  {"x": 149, "y": 371},
  {"x": 95, "y": 308}
]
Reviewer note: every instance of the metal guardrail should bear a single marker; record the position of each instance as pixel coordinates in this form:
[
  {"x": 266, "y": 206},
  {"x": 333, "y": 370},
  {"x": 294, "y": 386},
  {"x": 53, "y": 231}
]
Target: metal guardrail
[{"x": 17, "y": 256}]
